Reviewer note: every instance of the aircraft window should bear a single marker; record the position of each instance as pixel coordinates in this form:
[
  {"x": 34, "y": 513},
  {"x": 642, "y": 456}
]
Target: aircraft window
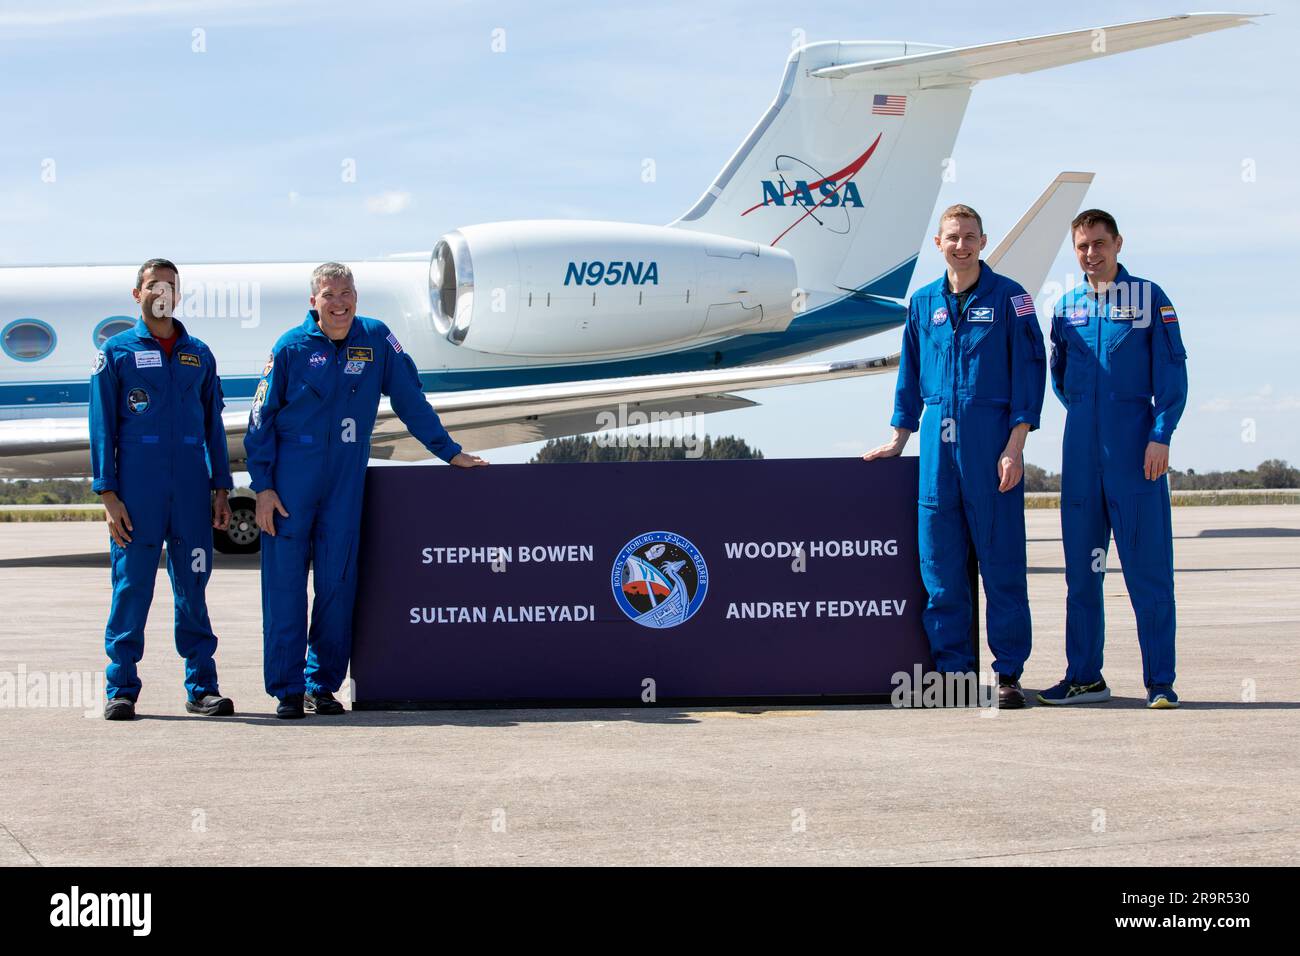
[
  {"x": 110, "y": 327},
  {"x": 27, "y": 340}
]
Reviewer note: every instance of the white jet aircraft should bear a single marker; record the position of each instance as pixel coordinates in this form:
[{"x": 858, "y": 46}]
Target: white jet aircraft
[{"x": 529, "y": 330}]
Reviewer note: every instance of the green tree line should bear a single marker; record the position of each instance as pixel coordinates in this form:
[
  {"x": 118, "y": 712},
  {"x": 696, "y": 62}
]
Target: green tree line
[
  {"x": 49, "y": 491},
  {"x": 1273, "y": 473}
]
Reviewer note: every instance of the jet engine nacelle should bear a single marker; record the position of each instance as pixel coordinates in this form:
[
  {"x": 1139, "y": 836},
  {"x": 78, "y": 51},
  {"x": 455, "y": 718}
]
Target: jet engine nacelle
[{"x": 571, "y": 288}]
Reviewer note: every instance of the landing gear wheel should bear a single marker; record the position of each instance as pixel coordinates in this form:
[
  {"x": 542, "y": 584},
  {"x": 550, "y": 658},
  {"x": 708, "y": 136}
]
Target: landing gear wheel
[{"x": 243, "y": 536}]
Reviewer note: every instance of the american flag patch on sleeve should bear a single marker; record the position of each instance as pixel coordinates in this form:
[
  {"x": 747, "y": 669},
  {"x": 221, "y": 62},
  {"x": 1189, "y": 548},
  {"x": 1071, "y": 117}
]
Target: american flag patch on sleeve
[
  {"x": 1023, "y": 304},
  {"x": 397, "y": 346}
]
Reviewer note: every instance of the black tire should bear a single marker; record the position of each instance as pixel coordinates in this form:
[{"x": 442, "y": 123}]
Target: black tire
[{"x": 243, "y": 537}]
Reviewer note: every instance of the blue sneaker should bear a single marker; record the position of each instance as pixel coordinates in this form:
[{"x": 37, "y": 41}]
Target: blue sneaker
[
  {"x": 1162, "y": 697},
  {"x": 1067, "y": 693}
]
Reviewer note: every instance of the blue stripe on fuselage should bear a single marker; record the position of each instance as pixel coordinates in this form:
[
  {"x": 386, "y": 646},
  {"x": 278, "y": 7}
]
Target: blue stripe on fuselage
[{"x": 852, "y": 317}]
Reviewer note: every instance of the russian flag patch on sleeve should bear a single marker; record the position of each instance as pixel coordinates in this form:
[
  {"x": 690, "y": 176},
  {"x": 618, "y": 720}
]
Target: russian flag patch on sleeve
[{"x": 1167, "y": 314}]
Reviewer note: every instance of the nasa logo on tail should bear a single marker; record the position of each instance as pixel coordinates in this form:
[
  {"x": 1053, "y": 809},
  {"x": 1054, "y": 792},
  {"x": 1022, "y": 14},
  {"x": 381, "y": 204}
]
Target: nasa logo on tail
[
  {"x": 808, "y": 189},
  {"x": 659, "y": 579}
]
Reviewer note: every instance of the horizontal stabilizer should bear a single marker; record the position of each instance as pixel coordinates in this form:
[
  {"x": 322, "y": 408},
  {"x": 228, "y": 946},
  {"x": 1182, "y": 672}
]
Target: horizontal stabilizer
[{"x": 971, "y": 64}]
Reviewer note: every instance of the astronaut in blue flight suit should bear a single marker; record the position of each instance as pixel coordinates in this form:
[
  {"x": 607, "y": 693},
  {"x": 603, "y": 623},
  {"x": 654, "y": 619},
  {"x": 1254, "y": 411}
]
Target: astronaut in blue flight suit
[
  {"x": 158, "y": 452},
  {"x": 973, "y": 361},
  {"x": 308, "y": 443},
  {"x": 1119, "y": 366}
]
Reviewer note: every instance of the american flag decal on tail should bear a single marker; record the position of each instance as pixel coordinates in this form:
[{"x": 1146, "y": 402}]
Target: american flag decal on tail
[{"x": 883, "y": 105}]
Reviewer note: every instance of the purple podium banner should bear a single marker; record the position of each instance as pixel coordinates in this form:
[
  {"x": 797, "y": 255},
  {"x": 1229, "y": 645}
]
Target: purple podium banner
[{"x": 637, "y": 583}]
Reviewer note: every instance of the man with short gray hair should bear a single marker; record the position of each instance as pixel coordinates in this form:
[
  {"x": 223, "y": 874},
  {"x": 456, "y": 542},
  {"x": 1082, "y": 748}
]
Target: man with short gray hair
[{"x": 308, "y": 443}]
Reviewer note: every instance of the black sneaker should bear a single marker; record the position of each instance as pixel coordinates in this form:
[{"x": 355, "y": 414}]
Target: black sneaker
[
  {"x": 290, "y": 707},
  {"x": 1010, "y": 696},
  {"x": 323, "y": 703},
  {"x": 119, "y": 708},
  {"x": 1068, "y": 693},
  {"x": 211, "y": 705}
]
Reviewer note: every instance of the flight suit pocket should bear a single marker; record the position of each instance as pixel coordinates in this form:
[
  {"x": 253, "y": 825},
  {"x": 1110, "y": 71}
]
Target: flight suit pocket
[
  {"x": 931, "y": 452},
  {"x": 1144, "y": 532},
  {"x": 1177, "y": 353},
  {"x": 1124, "y": 333},
  {"x": 975, "y": 338}
]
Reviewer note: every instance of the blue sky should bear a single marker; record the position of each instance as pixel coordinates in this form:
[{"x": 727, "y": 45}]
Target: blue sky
[{"x": 235, "y": 153}]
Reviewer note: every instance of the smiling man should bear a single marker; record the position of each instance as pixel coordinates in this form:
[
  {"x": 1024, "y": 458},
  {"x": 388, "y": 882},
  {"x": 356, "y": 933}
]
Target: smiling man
[
  {"x": 1119, "y": 366},
  {"x": 308, "y": 443},
  {"x": 158, "y": 453},
  {"x": 973, "y": 362}
]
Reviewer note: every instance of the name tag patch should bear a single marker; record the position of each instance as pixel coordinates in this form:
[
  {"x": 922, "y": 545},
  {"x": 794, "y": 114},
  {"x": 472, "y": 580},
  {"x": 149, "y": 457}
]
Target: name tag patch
[
  {"x": 1123, "y": 313},
  {"x": 979, "y": 315},
  {"x": 355, "y": 367},
  {"x": 188, "y": 358},
  {"x": 358, "y": 354},
  {"x": 940, "y": 316},
  {"x": 148, "y": 360}
]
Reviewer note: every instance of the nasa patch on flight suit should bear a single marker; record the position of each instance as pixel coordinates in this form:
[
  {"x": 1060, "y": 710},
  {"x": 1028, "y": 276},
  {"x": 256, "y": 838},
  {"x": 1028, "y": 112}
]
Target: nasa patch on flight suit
[
  {"x": 358, "y": 354},
  {"x": 940, "y": 316},
  {"x": 355, "y": 367},
  {"x": 979, "y": 315},
  {"x": 189, "y": 358},
  {"x": 148, "y": 359}
]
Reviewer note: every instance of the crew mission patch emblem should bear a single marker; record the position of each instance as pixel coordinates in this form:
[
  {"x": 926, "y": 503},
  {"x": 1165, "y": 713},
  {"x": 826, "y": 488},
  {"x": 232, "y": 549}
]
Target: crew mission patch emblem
[{"x": 659, "y": 579}]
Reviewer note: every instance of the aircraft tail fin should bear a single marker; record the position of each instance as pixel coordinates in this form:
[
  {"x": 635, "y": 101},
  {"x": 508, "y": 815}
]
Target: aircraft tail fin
[
  {"x": 1026, "y": 252},
  {"x": 844, "y": 167}
]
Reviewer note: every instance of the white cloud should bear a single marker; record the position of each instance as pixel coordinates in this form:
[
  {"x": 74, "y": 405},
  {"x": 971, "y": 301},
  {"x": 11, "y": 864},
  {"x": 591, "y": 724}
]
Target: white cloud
[
  {"x": 388, "y": 203},
  {"x": 60, "y": 15},
  {"x": 1263, "y": 399}
]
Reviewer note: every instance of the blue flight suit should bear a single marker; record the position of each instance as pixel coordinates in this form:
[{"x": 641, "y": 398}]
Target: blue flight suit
[
  {"x": 309, "y": 439},
  {"x": 976, "y": 373},
  {"x": 1119, "y": 366},
  {"x": 156, "y": 439}
]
